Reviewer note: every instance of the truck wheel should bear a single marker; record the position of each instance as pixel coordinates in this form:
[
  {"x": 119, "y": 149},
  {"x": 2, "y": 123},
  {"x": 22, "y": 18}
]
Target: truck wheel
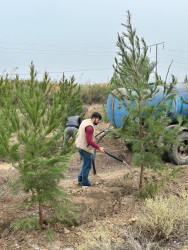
[{"x": 179, "y": 154}]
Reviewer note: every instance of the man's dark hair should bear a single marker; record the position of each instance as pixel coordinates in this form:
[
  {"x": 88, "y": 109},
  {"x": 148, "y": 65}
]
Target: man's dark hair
[{"x": 96, "y": 115}]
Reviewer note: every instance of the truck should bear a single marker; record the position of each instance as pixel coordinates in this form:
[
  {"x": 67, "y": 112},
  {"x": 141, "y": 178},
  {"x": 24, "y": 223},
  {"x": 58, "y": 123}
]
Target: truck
[{"x": 116, "y": 113}]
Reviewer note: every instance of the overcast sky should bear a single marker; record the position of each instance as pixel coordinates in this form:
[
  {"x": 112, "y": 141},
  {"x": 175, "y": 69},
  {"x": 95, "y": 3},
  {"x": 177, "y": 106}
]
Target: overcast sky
[{"x": 79, "y": 37}]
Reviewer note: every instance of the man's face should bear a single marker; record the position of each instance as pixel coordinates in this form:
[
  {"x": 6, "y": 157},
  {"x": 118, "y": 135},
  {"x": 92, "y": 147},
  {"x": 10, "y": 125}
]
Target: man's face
[{"x": 96, "y": 121}]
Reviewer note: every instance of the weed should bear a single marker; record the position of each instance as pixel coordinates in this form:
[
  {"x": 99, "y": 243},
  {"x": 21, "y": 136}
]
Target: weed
[
  {"x": 165, "y": 217},
  {"x": 50, "y": 234},
  {"x": 135, "y": 240},
  {"x": 25, "y": 223}
]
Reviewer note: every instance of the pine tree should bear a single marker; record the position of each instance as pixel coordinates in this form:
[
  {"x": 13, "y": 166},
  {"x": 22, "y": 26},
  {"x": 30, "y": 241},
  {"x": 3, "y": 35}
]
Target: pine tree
[
  {"x": 70, "y": 94},
  {"x": 42, "y": 164},
  {"x": 145, "y": 125},
  {"x": 8, "y": 120}
]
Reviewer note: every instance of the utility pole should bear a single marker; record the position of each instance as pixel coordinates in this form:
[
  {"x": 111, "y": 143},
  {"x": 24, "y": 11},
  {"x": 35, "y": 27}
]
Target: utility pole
[{"x": 156, "y": 52}]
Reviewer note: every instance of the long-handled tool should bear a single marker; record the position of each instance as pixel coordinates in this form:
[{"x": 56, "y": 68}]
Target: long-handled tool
[
  {"x": 119, "y": 159},
  {"x": 105, "y": 132}
]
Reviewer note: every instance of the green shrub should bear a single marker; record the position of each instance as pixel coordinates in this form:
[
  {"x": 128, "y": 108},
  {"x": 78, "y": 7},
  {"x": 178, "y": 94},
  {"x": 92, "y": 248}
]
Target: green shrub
[{"x": 165, "y": 217}]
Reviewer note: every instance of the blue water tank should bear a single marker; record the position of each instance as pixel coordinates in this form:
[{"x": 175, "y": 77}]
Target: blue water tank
[{"x": 116, "y": 111}]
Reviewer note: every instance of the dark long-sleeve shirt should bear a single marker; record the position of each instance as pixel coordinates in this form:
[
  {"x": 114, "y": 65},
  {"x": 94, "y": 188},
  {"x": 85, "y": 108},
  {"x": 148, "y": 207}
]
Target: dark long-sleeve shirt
[{"x": 89, "y": 134}]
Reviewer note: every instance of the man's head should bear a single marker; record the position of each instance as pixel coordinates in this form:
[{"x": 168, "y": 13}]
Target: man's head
[{"x": 96, "y": 118}]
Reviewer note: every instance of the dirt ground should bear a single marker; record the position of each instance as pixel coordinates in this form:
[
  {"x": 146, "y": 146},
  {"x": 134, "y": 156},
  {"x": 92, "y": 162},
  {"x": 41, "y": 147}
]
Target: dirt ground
[{"x": 105, "y": 209}]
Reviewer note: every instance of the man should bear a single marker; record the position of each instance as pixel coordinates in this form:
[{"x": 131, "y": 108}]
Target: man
[
  {"x": 85, "y": 143},
  {"x": 72, "y": 124}
]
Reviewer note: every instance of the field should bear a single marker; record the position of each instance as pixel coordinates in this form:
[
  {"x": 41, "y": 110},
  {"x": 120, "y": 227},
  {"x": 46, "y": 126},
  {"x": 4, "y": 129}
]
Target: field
[{"x": 105, "y": 209}]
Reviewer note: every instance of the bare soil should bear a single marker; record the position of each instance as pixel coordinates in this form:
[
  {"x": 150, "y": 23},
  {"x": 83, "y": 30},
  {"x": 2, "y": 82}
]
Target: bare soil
[{"x": 105, "y": 209}]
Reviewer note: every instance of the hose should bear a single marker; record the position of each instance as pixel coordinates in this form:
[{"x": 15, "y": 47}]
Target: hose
[
  {"x": 119, "y": 159},
  {"x": 94, "y": 154},
  {"x": 113, "y": 156}
]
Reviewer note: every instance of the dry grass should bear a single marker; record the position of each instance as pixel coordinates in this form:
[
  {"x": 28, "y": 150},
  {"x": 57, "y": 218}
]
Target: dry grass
[
  {"x": 165, "y": 217},
  {"x": 95, "y": 93},
  {"x": 135, "y": 240}
]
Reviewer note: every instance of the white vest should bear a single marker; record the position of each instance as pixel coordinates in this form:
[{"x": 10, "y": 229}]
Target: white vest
[{"x": 81, "y": 141}]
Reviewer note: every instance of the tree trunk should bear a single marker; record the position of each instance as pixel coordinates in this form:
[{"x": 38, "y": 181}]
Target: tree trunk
[
  {"x": 141, "y": 177},
  {"x": 40, "y": 215}
]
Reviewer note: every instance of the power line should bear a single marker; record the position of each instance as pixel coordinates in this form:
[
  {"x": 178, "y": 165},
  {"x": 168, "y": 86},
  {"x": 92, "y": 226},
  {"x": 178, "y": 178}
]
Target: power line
[
  {"x": 59, "y": 54},
  {"x": 67, "y": 71},
  {"x": 179, "y": 51},
  {"x": 25, "y": 65},
  {"x": 170, "y": 55},
  {"x": 16, "y": 64},
  {"x": 173, "y": 62},
  {"x": 44, "y": 51},
  {"x": 181, "y": 63},
  {"x": 55, "y": 45}
]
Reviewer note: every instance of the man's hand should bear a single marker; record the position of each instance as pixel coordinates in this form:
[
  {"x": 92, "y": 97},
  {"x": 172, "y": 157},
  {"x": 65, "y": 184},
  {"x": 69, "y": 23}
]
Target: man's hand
[{"x": 101, "y": 150}]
